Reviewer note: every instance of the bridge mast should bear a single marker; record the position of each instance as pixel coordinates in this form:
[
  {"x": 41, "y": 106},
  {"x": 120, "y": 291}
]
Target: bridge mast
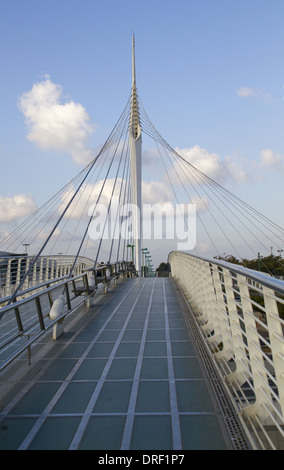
[{"x": 135, "y": 147}]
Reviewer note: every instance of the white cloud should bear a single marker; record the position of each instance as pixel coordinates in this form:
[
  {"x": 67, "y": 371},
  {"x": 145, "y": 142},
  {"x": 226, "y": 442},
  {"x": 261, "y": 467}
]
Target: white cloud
[
  {"x": 233, "y": 167},
  {"x": 211, "y": 165},
  {"x": 152, "y": 192},
  {"x": 270, "y": 159},
  {"x": 203, "y": 248},
  {"x": 245, "y": 92},
  {"x": 156, "y": 192},
  {"x": 88, "y": 196},
  {"x": 206, "y": 162},
  {"x": 12, "y": 208},
  {"x": 55, "y": 124},
  {"x": 201, "y": 203},
  {"x": 237, "y": 169}
]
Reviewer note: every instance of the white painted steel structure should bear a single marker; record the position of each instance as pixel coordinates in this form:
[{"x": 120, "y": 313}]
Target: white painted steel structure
[
  {"x": 135, "y": 146},
  {"x": 238, "y": 311},
  {"x": 44, "y": 305},
  {"x": 13, "y": 269}
]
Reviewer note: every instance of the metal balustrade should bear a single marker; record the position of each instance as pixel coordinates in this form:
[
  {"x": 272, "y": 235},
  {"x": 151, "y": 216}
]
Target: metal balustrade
[
  {"x": 45, "y": 305},
  {"x": 240, "y": 313},
  {"x": 13, "y": 269}
]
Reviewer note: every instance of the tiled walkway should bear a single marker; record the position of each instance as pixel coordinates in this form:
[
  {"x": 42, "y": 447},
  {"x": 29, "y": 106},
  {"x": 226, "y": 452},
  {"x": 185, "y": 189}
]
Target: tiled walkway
[{"x": 125, "y": 375}]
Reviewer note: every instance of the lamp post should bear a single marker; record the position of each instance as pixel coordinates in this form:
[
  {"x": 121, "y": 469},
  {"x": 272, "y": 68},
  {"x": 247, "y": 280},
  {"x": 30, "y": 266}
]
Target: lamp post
[
  {"x": 144, "y": 251},
  {"x": 26, "y": 246},
  {"x": 148, "y": 259},
  {"x": 131, "y": 246},
  {"x": 259, "y": 258}
]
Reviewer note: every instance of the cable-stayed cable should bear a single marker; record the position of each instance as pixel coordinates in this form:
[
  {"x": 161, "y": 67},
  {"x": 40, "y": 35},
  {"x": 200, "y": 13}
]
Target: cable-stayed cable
[{"x": 239, "y": 216}]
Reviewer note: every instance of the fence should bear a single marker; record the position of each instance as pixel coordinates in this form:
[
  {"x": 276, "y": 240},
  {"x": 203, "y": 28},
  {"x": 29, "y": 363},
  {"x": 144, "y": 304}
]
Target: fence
[
  {"x": 13, "y": 269},
  {"x": 42, "y": 306},
  {"x": 240, "y": 313}
]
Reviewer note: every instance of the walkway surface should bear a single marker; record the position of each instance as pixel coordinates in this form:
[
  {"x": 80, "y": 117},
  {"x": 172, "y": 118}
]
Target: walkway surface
[{"x": 125, "y": 375}]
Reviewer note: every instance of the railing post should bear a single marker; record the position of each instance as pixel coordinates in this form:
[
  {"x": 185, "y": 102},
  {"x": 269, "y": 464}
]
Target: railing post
[
  {"x": 89, "y": 300},
  {"x": 260, "y": 380},
  {"x": 41, "y": 270},
  {"x": 46, "y": 277},
  {"x": 239, "y": 351},
  {"x": 57, "y": 269},
  {"x": 18, "y": 318},
  {"x": 8, "y": 278},
  {"x": 39, "y": 312},
  {"x": 222, "y": 317},
  {"x": 276, "y": 337},
  {"x": 52, "y": 269},
  {"x": 18, "y": 274},
  {"x": 208, "y": 304},
  {"x": 34, "y": 274}
]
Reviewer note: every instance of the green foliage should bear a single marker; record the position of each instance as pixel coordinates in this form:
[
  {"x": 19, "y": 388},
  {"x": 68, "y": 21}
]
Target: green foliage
[
  {"x": 273, "y": 265},
  {"x": 164, "y": 270}
]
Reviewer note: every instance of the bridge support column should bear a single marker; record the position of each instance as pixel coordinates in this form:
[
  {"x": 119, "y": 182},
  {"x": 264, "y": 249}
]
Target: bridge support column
[{"x": 135, "y": 146}]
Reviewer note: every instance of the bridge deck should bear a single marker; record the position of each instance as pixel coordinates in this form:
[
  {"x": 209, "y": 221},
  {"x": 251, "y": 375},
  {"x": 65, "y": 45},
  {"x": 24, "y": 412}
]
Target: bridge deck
[{"x": 125, "y": 375}]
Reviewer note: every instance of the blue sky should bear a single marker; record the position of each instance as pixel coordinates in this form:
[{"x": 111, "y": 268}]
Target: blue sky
[{"x": 210, "y": 74}]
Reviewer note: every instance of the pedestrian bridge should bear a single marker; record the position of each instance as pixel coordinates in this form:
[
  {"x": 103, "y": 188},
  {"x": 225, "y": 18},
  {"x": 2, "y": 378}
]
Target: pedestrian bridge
[
  {"x": 177, "y": 363},
  {"x": 98, "y": 356}
]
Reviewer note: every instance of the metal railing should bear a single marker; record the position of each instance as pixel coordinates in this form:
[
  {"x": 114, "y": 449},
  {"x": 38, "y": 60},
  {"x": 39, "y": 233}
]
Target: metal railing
[
  {"x": 240, "y": 313},
  {"x": 45, "y": 305},
  {"x": 14, "y": 268}
]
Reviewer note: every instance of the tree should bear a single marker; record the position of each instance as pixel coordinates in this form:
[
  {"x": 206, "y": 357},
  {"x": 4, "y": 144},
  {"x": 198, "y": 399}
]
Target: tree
[
  {"x": 228, "y": 258},
  {"x": 163, "y": 270},
  {"x": 273, "y": 265}
]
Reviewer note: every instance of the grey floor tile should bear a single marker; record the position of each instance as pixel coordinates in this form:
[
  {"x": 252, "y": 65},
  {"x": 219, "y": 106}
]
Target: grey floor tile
[
  {"x": 153, "y": 397},
  {"x": 90, "y": 369},
  {"x": 154, "y": 368},
  {"x": 201, "y": 433},
  {"x": 193, "y": 396},
  {"x": 152, "y": 433},
  {"x": 75, "y": 398},
  {"x": 56, "y": 433},
  {"x": 103, "y": 433},
  {"x": 114, "y": 397},
  {"x": 122, "y": 369}
]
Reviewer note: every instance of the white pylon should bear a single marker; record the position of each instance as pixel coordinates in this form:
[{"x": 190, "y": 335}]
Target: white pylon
[{"x": 135, "y": 148}]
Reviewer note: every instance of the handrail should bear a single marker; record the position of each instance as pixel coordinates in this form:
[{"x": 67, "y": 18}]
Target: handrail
[
  {"x": 47, "y": 267},
  {"x": 257, "y": 276},
  {"x": 240, "y": 314},
  {"x": 27, "y": 293},
  {"x": 31, "y": 316}
]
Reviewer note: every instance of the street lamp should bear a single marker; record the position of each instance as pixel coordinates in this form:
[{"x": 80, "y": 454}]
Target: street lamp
[
  {"x": 149, "y": 264},
  {"x": 26, "y": 246},
  {"x": 144, "y": 251},
  {"x": 259, "y": 258},
  {"x": 131, "y": 246}
]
